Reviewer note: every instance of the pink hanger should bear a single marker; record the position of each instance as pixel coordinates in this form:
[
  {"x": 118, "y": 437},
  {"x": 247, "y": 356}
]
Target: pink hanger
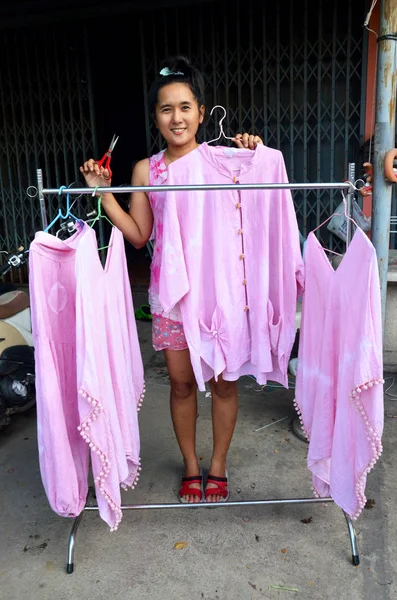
[{"x": 337, "y": 215}]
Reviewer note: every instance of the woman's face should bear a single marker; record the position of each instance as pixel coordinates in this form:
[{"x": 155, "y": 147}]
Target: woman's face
[{"x": 177, "y": 114}]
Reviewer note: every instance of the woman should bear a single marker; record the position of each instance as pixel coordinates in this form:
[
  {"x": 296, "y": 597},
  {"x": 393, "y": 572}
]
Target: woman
[{"x": 176, "y": 102}]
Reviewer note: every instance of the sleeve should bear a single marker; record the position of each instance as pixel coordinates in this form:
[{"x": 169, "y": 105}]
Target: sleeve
[
  {"x": 290, "y": 224},
  {"x": 174, "y": 283},
  {"x": 286, "y": 281}
]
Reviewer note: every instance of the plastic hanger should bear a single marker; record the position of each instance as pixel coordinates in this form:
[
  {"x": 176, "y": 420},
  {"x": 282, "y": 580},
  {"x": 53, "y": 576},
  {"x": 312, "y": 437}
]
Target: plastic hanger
[
  {"x": 222, "y": 133},
  {"x": 100, "y": 216},
  {"x": 337, "y": 215},
  {"x": 60, "y": 214},
  {"x": 69, "y": 227}
]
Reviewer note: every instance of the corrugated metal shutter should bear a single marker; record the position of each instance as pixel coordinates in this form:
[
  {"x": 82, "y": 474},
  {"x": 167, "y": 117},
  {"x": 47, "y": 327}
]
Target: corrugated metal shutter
[
  {"x": 47, "y": 121},
  {"x": 290, "y": 71}
]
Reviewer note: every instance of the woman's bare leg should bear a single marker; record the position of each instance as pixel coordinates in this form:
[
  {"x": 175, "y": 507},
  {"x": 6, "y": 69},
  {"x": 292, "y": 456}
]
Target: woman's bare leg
[
  {"x": 183, "y": 401},
  {"x": 224, "y": 416}
]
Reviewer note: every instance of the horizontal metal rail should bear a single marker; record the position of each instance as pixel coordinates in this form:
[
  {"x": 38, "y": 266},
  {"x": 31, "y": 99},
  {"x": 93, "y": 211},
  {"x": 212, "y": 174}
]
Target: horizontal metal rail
[
  {"x": 73, "y": 533},
  {"x": 345, "y": 185},
  {"x": 219, "y": 505}
]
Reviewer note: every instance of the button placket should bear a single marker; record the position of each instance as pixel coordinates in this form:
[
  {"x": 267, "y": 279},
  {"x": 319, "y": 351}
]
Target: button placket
[{"x": 240, "y": 232}]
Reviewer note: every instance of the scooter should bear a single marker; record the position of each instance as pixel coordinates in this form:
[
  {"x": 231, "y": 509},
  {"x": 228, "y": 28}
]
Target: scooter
[{"x": 17, "y": 372}]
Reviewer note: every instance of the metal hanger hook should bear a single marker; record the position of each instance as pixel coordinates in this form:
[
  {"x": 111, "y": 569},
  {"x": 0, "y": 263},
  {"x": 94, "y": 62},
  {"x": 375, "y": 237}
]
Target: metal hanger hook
[
  {"x": 222, "y": 118},
  {"x": 221, "y": 132}
]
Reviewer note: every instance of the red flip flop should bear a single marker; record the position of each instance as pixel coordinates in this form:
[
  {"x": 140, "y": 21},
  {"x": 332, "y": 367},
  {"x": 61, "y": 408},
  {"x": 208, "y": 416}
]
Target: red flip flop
[
  {"x": 222, "y": 488},
  {"x": 186, "y": 490}
]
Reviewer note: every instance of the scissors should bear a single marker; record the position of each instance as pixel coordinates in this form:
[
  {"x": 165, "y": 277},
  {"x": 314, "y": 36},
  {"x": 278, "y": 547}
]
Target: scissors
[{"x": 105, "y": 160}]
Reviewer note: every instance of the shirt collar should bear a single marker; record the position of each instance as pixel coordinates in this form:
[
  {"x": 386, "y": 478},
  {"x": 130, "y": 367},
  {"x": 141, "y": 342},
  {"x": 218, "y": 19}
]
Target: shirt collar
[{"x": 227, "y": 159}]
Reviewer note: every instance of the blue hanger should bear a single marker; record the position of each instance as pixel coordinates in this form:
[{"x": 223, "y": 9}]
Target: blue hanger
[{"x": 60, "y": 214}]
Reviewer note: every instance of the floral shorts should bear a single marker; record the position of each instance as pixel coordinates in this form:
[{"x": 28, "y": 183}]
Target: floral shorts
[{"x": 167, "y": 334}]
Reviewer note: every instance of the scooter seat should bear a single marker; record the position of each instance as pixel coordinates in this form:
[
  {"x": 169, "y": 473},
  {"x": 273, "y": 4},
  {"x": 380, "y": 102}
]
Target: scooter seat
[
  {"x": 7, "y": 287},
  {"x": 12, "y": 303},
  {"x": 19, "y": 354}
]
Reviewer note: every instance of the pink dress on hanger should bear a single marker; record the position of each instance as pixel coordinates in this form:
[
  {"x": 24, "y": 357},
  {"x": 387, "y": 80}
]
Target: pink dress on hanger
[
  {"x": 232, "y": 261},
  {"x": 63, "y": 454},
  {"x": 86, "y": 341},
  {"x": 109, "y": 370},
  {"x": 339, "y": 391}
]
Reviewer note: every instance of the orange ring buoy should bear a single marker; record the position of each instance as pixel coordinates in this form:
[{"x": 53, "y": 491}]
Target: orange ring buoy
[{"x": 390, "y": 157}]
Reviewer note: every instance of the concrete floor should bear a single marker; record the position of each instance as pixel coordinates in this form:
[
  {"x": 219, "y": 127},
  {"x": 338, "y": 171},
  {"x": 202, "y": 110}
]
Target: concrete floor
[{"x": 231, "y": 553}]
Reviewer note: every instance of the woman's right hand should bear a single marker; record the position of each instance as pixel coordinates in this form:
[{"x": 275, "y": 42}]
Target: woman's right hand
[{"x": 94, "y": 175}]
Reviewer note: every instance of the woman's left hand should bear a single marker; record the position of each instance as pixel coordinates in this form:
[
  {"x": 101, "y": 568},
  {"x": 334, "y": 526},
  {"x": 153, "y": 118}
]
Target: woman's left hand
[{"x": 245, "y": 140}]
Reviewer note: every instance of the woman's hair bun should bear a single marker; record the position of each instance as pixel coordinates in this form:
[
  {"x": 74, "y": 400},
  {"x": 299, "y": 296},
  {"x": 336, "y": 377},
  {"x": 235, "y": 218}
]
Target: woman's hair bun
[
  {"x": 177, "y": 69},
  {"x": 177, "y": 64}
]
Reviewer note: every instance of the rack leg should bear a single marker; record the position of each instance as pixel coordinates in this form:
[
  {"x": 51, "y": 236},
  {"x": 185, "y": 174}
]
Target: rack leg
[
  {"x": 353, "y": 540},
  {"x": 72, "y": 539}
]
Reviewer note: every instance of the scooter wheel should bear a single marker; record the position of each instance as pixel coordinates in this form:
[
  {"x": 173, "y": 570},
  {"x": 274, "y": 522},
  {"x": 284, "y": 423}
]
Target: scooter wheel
[{"x": 9, "y": 389}]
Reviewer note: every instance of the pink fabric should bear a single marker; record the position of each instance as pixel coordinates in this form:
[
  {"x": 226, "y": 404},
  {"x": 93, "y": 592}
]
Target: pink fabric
[
  {"x": 167, "y": 334},
  {"x": 63, "y": 454},
  {"x": 104, "y": 345},
  {"x": 339, "y": 392},
  {"x": 232, "y": 260},
  {"x": 167, "y": 330},
  {"x": 158, "y": 175},
  {"x": 107, "y": 355}
]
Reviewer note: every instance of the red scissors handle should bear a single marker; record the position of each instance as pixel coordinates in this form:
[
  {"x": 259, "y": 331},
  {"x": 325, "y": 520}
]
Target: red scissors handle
[
  {"x": 105, "y": 162},
  {"x": 106, "y": 158}
]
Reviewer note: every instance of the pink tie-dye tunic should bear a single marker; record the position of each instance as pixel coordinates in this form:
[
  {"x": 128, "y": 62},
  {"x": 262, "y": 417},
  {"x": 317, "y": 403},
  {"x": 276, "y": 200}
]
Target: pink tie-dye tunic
[
  {"x": 339, "y": 392},
  {"x": 232, "y": 261},
  {"x": 158, "y": 175}
]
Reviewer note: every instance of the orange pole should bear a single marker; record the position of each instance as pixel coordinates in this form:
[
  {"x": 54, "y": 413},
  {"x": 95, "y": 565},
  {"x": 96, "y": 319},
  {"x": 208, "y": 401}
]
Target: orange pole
[{"x": 370, "y": 90}]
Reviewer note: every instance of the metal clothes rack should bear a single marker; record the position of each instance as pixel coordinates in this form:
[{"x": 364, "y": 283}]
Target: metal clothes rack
[{"x": 349, "y": 188}]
